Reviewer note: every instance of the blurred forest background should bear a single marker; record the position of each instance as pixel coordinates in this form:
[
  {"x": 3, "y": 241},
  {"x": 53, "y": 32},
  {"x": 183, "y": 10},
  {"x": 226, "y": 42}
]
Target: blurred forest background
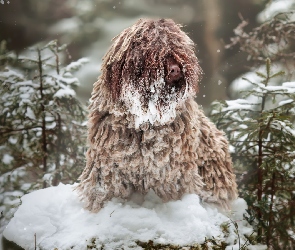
[
  {"x": 42, "y": 124},
  {"x": 88, "y": 26}
]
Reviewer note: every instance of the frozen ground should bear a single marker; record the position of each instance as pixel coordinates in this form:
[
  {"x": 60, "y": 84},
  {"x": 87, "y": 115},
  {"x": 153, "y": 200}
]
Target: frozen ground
[{"x": 57, "y": 218}]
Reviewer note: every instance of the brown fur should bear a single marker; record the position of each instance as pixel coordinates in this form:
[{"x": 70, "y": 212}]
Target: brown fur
[{"x": 145, "y": 130}]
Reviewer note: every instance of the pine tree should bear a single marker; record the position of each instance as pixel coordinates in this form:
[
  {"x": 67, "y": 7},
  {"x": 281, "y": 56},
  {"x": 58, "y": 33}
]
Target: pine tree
[
  {"x": 42, "y": 123},
  {"x": 262, "y": 136},
  {"x": 260, "y": 126}
]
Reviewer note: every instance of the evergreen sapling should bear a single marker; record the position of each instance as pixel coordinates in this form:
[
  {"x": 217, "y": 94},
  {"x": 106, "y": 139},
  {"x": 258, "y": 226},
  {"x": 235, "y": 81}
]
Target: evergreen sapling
[
  {"x": 262, "y": 137},
  {"x": 42, "y": 123}
]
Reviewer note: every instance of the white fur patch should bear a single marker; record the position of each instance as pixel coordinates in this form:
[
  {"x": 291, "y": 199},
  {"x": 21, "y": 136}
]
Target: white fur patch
[{"x": 154, "y": 112}]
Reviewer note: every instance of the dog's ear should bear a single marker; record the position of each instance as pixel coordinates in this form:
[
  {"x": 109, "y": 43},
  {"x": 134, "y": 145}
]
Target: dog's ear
[{"x": 113, "y": 75}]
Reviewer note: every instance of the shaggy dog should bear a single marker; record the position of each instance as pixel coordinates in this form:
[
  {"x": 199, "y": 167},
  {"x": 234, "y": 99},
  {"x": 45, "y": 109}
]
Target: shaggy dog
[{"x": 145, "y": 130}]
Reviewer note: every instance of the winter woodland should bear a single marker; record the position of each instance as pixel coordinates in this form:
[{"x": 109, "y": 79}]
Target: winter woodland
[{"x": 43, "y": 141}]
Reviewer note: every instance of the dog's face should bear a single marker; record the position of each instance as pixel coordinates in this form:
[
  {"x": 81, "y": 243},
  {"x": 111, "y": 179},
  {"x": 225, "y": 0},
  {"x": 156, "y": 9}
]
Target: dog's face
[
  {"x": 150, "y": 68},
  {"x": 173, "y": 74}
]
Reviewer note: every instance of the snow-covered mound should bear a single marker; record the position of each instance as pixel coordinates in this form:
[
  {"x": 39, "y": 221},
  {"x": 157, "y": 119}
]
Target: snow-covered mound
[{"x": 57, "y": 217}]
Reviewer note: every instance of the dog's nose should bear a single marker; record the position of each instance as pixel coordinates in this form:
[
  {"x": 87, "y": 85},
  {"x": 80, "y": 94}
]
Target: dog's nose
[{"x": 174, "y": 72}]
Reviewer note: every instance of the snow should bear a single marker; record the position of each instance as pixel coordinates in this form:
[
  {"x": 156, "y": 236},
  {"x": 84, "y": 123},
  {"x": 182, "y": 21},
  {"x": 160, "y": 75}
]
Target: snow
[
  {"x": 9, "y": 73},
  {"x": 47, "y": 177},
  {"x": 64, "y": 92},
  {"x": 12, "y": 140},
  {"x": 257, "y": 247},
  {"x": 239, "y": 104},
  {"x": 289, "y": 85},
  {"x": 284, "y": 102},
  {"x": 57, "y": 217},
  {"x": 254, "y": 85},
  {"x": 286, "y": 127},
  {"x": 275, "y": 7},
  {"x": 7, "y": 159},
  {"x": 278, "y": 89},
  {"x": 73, "y": 66},
  {"x": 64, "y": 80},
  {"x": 291, "y": 233},
  {"x": 239, "y": 84},
  {"x": 155, "y": 112}
]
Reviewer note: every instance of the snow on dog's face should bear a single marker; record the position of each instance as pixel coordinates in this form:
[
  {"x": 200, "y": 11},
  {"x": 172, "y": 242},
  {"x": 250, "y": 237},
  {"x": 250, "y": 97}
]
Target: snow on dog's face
[{"x": 151, "y": 68}]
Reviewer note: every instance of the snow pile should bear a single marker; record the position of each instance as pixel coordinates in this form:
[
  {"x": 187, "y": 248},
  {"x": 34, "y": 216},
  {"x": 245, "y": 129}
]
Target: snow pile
[{"x": 57, "y": 218}]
